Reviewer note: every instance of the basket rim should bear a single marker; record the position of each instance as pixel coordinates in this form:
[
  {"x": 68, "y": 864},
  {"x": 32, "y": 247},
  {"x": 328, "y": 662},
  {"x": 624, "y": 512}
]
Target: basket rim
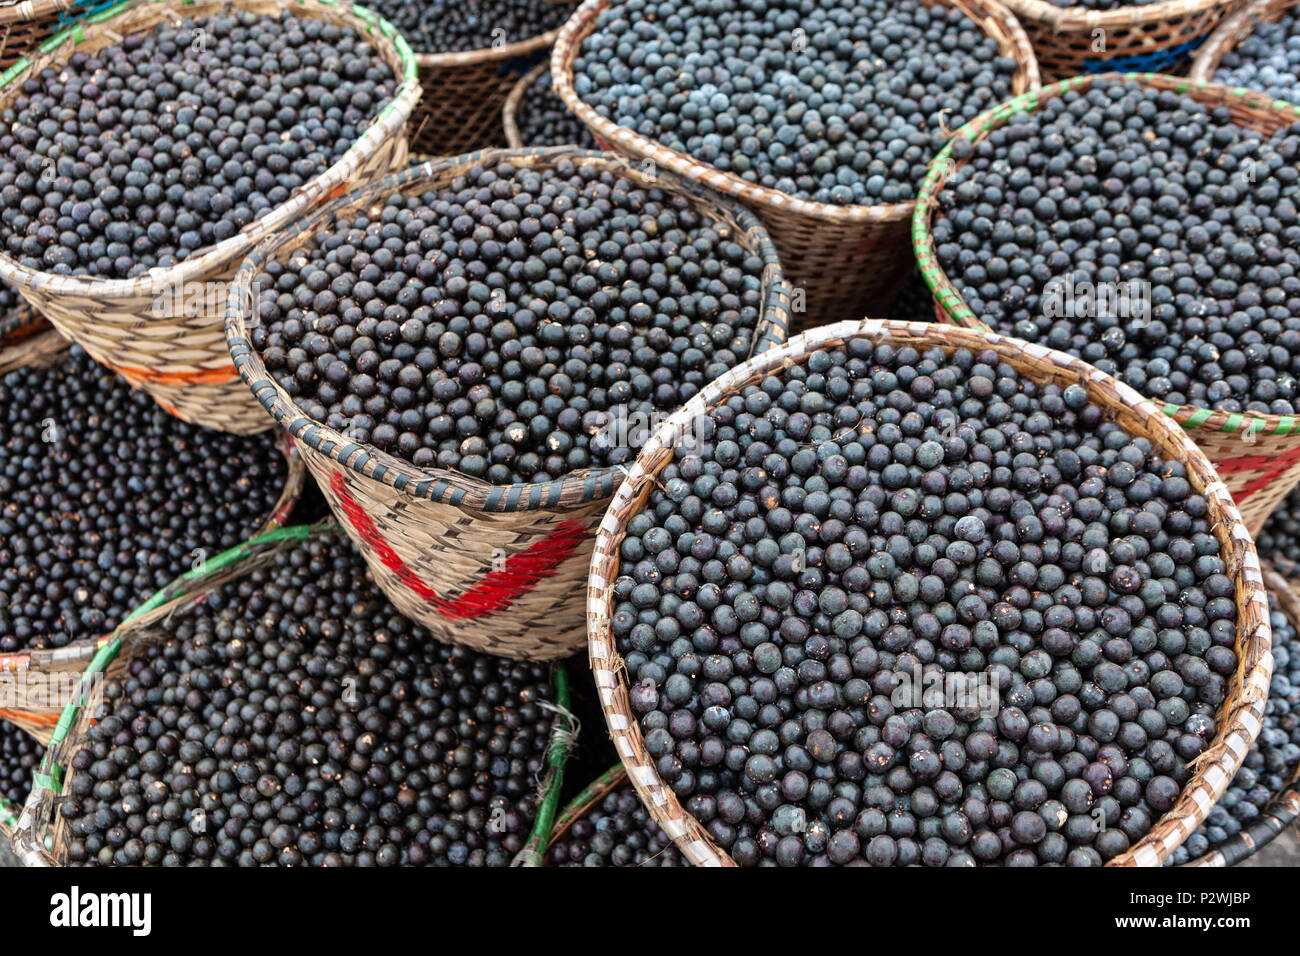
[
  {"x": 33, "y": 10},
  {"x": 1239, "y": 722},
  {"x": 510, "y": 108},
  {"x": 442, "y": 485},
  {"x": 1236, "y": 27},
  {"x": 1065, "y": 19},
  {"x": 394, "y": 114},
  {"x": 948, "y": 300},
  {"x": 568, "y": 45},
  {"x": 487, "y": 54}
]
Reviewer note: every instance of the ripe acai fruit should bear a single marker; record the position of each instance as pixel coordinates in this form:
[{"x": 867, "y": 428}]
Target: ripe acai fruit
[
  {"x": 1271, "y": 763},
  {"x": 458, "y": 26},
  {"x": 617, "y": 831},
  {"x": 105, "y": 498},
  {"x": 20, "y": 755},
  {"x": 296, "y": 719},
  {"x": 1143, "y": 232},
  {"x": 543, "y": 119},
  {"x": 516, "y": 325},
  {"x": 1268, "y": 59},
  {"x": 839, "y": 103},
  {"x": 903, "y": 607},
  {"x": 142, "y": 153}
]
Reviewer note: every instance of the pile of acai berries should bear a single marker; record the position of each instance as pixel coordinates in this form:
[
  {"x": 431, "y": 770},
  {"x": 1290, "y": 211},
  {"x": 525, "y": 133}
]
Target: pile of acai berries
[
  {"x": 1141, "y": 231},
  {"x": 515, "y": 325},
  {"x": 897, "y": 607},
  {"x": 544, "y": 120},
  {"x": 295, "y": 718},
  {"x": 616, "y": 831},
  {"x": 1271, "y": 763},
  {"x": 840, "y": 103},
  {"x": 105, "y": 498},
  {"x": 459, "y": 26},
  {"x": 1268, "y": 59},
  {"x": 142, "y": 153}
]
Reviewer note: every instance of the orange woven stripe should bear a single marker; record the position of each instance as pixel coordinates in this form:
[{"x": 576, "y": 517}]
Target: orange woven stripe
[
  {"x": 41, "y": 720},
  {"x": 204, "y": 376}
]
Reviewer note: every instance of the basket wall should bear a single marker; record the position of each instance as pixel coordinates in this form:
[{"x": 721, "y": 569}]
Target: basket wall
[
  {"x": 1239, "y": 722},
  {"x": 1232, "y": 31},
  {"x": 497, "y": 568},
  {"x": 1158, "y": 37},
  {"x": 843, "y": 262},
  {"x": 139, "y": 327},
  {"x": 1257, "y": 456}
]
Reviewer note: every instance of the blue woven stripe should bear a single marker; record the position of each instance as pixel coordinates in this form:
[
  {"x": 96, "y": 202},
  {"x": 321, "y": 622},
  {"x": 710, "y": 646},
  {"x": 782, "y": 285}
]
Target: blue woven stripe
[{"x": 1157, "y": 61}]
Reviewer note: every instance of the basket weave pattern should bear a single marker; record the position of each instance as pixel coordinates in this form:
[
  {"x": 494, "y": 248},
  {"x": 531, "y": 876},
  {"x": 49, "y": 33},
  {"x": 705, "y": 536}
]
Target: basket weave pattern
[
  {"x": 1240, "y": 715},
  {"x": 848, "y": 260},
  {"x": 1157, "y": 37},
  {"x": 1258, "y": 456},
  {"x": 133, "y": 325},
  {"x": 1232, "y": 31},
  {"x": 464, "y": 94},
  {"x": 498, "y": 568}
]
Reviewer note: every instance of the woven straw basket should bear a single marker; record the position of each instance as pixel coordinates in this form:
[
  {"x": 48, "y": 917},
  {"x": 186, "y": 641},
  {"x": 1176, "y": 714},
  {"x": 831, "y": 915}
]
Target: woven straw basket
[
  {"x": 464, "y": 94},
  {"x": 44, "y": 350},
  {"x": 846, "y": 260},
  {"x": 1257, "y": 455},
  {"x": 1232, "y": 31},
  {"x": 1239, "y": 722},
  {"x": 498, "y": 568},
  {"x": 180, "y": 359},
  {"x": 39, "y": 835},
  {"x": 24, "y": 26},
  {"x": 1157, "y": 37},
  {"x": 1284, "y": 808}
]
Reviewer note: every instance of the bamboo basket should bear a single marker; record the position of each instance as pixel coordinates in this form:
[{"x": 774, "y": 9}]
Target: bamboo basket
[
  {"x": 1257, "y": 455},
  {"x": 1284, "y": 808},
  {"x": 499, "y": 568},
  {"x": 1239, "y": 721},
  {"x": 41, "y": 351},
  {"x": 162, "y": 330},
  {"x": 846, "y": 260},
  {"x": 464, "y": 94},
  {"x": 1232, "y": 31},
  {"x": 24, "y": 26},
  {"x": 1158, "y": 37},
  {"x": 39, "y": 834}
]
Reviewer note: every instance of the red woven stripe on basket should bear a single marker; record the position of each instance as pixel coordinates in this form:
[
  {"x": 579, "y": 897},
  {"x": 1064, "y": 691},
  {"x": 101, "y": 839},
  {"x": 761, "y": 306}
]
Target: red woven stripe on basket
[
  {"x": 1270, "y": 468},
  {"x": 494, "y": 591}
]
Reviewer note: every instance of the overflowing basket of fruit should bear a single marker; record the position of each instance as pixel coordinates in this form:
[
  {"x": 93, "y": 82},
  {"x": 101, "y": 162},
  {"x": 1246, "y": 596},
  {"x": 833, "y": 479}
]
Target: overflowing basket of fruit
[
  {"x": 124, "y": 227},
  {"x": 468, "y": 353},
  {"x": 963, "y": 600}
]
